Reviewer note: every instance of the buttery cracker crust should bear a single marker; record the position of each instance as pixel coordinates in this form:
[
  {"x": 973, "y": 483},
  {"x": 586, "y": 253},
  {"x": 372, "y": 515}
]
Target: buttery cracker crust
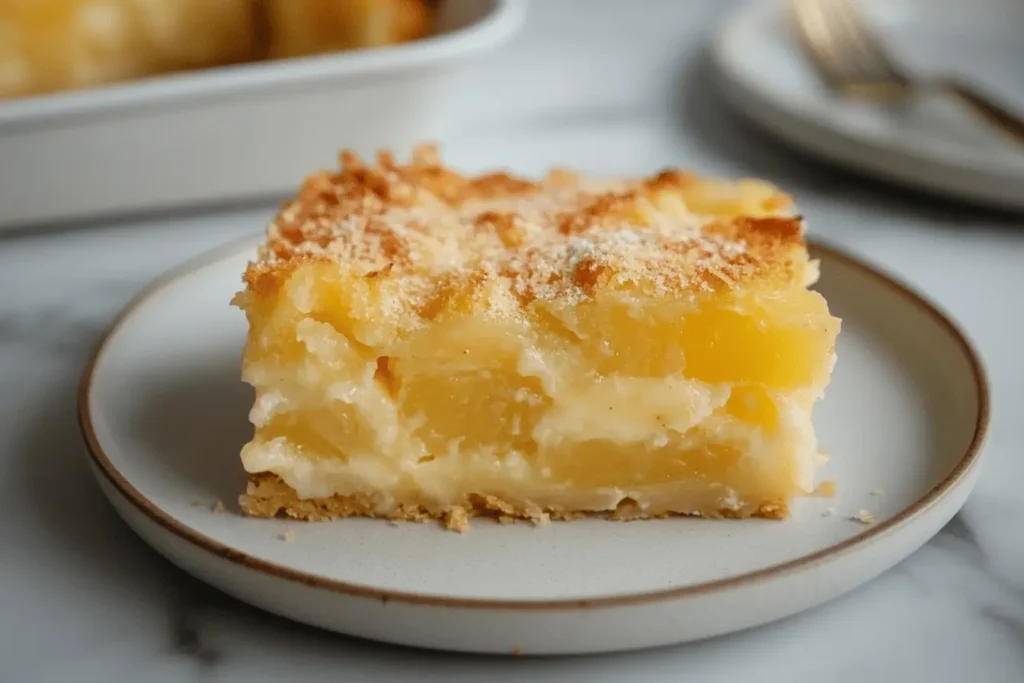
[{"x": 268, "y": 496}]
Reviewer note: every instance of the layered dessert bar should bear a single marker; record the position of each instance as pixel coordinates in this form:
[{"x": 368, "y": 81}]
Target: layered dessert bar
[{"x": 429, "y": 344}]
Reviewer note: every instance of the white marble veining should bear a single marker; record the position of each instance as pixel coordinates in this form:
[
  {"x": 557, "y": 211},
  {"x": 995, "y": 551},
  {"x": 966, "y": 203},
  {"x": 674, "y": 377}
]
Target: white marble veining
[{"x": 82, "y": 599}]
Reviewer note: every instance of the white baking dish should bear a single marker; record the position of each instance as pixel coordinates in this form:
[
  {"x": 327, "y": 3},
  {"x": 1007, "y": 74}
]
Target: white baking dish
[{"x": 233, "y": 133}]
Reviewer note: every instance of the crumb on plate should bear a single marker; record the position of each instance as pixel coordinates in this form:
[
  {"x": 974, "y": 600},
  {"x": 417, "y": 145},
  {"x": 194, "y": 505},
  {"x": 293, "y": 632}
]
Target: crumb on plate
[
  {"x": 826, "y": 489},
  {"x": 863, "y": 517},
  {"x": 456, "y": 519}
]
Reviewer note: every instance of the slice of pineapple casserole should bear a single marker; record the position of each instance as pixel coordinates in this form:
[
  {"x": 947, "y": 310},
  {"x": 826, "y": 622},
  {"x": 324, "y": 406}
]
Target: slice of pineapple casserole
[{"x": 426, "y": 344}]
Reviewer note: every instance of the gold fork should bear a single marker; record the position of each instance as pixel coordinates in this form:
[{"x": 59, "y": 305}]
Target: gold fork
[{"x": 854, "y": 63}]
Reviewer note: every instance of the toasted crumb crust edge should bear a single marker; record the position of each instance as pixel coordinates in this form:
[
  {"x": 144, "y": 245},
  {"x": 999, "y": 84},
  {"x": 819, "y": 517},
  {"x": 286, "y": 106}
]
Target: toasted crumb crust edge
[
  {"x": 381, "y": 220},
  {"x": 267, "y": 495}
]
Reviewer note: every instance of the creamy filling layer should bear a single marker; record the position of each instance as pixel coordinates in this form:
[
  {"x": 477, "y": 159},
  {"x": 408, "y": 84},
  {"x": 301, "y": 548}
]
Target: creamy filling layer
[
  {"x": 547, "y": 413},
  {"x": 444, "y": 482},
  {"x": 329, "y": 426}
]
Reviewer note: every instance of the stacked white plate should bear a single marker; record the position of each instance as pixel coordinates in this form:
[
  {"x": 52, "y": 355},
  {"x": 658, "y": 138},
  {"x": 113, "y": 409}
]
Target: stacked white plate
[{"x": 930, "y": 142}]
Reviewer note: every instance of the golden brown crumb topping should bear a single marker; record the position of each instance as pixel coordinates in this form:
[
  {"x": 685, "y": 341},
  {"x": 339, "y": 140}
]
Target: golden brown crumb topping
[{"x": 560, "y": 238}]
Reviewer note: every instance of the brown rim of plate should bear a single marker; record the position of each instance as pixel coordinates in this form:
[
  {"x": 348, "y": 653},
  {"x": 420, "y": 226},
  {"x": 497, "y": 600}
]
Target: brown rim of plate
[{"x": 148, "y": 508}]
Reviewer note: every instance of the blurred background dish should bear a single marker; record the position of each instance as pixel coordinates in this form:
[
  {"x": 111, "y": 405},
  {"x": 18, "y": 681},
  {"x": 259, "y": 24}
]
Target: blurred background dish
[
  {"x": 240, "y": 132},
  {"x": 53, "y": 45},
  {"x": 930, "y": 141},
  {"x": 302, "y": 27}
]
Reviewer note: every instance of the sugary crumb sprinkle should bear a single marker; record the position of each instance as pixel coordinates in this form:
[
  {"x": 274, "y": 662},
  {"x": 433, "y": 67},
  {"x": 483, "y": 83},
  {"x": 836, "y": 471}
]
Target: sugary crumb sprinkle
[{"x": 432, "y": 236}]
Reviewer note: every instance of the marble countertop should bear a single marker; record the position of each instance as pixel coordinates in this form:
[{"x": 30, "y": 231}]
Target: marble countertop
[{"x": 83, "y": 599}]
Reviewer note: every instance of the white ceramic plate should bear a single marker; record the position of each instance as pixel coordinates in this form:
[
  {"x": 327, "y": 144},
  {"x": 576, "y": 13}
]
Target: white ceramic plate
[
  {"x": 163, "y": 414},
  {"x": 931, "y": 143}
]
